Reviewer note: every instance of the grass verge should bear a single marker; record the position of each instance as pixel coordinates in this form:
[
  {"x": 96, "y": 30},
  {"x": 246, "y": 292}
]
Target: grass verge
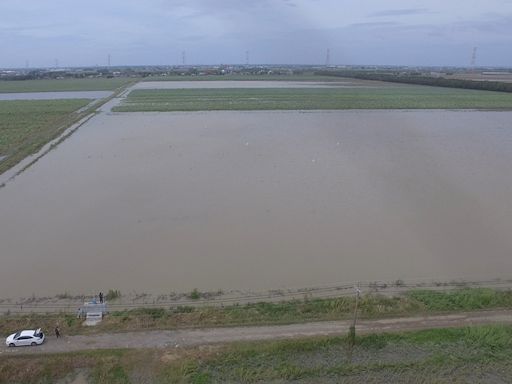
[
  {"x": 371, "y": 306},
  {"x": 385, "y": 97},
  {"x": 471, "y": 354}
]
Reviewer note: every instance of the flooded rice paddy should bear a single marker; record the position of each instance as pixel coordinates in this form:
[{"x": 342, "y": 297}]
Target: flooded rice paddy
[
  {"x": 198, "y": 84},
  {"x": 162, "y": 202}
]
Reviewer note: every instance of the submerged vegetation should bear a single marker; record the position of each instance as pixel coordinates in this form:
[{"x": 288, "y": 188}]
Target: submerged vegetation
[
  {"x": 332, "y": 97},
  {"x": 471, "y": 354}
]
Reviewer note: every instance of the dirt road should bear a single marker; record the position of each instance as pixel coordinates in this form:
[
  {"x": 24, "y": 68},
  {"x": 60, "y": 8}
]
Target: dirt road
[{"x": 194, "y": 337}]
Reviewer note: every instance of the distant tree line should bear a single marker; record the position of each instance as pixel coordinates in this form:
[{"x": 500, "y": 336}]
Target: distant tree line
[
  {"x": 46, "y": 74},
  {"x": 420, "y": 79}
]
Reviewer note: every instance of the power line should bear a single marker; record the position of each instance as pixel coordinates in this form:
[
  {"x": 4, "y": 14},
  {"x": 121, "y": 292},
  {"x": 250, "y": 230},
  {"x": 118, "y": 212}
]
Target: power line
[{"x": 473, "y": 58}]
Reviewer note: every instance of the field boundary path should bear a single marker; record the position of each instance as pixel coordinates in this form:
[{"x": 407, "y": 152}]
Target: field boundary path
[
  {"x": 195, "y": 337},
  {"x": 70, "y": 304}
]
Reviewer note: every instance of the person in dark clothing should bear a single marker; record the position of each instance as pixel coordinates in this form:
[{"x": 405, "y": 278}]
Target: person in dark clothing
[
  {"x": 57, "y": 331},
  {"x": 101, "y": 297}
]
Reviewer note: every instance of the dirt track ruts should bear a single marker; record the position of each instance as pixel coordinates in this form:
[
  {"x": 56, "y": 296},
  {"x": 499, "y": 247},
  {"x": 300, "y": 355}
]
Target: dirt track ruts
[{"x": 194, "y": 337}]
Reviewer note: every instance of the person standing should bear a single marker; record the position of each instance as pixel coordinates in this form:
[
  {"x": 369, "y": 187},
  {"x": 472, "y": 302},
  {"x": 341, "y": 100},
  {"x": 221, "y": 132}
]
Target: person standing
[
  {"x": 101, "y": 297},
  {"x": 57, "y": 332}
]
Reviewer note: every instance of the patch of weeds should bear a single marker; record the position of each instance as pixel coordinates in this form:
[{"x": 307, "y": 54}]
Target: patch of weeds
[
  {"x": 154, "y": 313},
  {"x": 70, "y": 320},
  {"x": 63, "y": 296},
  {"x": 463, "y": 299},
  {"x": 201, "y": 378},
  {"x": 183, "y": 309},
  {"x": 113, "y": 294},
  {"x": 374, "y": 341},
  {"x": 195, "y": 294},
  {"x": 110, "y": 373}
]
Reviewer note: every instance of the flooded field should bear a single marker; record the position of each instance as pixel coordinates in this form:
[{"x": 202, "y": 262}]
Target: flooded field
[
  {"x": 162, "y": 202},
  {"x": 55, "y": 95},
  {"x": 352, "y": 83}
]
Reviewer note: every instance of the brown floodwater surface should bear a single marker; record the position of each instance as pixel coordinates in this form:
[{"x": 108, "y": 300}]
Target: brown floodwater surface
[{"x": 162, "y": 202}]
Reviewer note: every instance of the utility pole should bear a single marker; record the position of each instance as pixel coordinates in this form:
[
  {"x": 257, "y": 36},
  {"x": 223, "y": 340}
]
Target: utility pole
[
  {"x": 473, "y": 59},
  {"x": 352, "y": 332},
  {"x": 246, "y": 57},
  {"x": 352, "y": 329},
  {"x": 183, "y": 58},
  {"x": 328, "y": 58}
]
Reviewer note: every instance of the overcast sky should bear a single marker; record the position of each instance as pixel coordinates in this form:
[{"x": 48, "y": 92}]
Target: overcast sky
[{"x": 403, "y": 32}]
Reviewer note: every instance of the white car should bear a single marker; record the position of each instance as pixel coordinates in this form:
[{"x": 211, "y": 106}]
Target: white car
[{"x": 26, "y": 337}]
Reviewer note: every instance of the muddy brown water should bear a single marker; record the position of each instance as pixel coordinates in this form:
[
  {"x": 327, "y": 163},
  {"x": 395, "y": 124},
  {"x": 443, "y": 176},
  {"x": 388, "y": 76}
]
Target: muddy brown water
[{"x": 162, "y": 202}]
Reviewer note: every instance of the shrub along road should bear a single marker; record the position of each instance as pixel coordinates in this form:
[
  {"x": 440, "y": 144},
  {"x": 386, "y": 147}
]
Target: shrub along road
[{"x": 195, "y": 337}]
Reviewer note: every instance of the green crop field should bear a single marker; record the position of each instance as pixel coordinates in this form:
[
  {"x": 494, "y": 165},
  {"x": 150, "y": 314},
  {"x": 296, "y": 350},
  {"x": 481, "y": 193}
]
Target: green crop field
[
  {"x": 465, "y": 355},
  {"x": 99, "y": 84},
  {"x": 26, "y": 125},
  {"x": 385, "y": 97}
]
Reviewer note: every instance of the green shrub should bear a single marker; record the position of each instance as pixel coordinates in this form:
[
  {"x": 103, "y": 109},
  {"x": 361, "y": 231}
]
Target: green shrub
[{"x": 195, "y": 294}]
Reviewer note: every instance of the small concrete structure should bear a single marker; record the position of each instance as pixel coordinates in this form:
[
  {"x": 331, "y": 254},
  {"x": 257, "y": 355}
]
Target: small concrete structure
[
  {"x": 93, "y": 312},
  {"x": 94, "y": 306},
  {"x": 93, "y": 318}
]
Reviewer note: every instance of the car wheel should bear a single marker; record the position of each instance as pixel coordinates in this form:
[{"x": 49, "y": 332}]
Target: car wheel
[
  {"x": 12, "y": 345},
  {"x": 33, "y": 344}
]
